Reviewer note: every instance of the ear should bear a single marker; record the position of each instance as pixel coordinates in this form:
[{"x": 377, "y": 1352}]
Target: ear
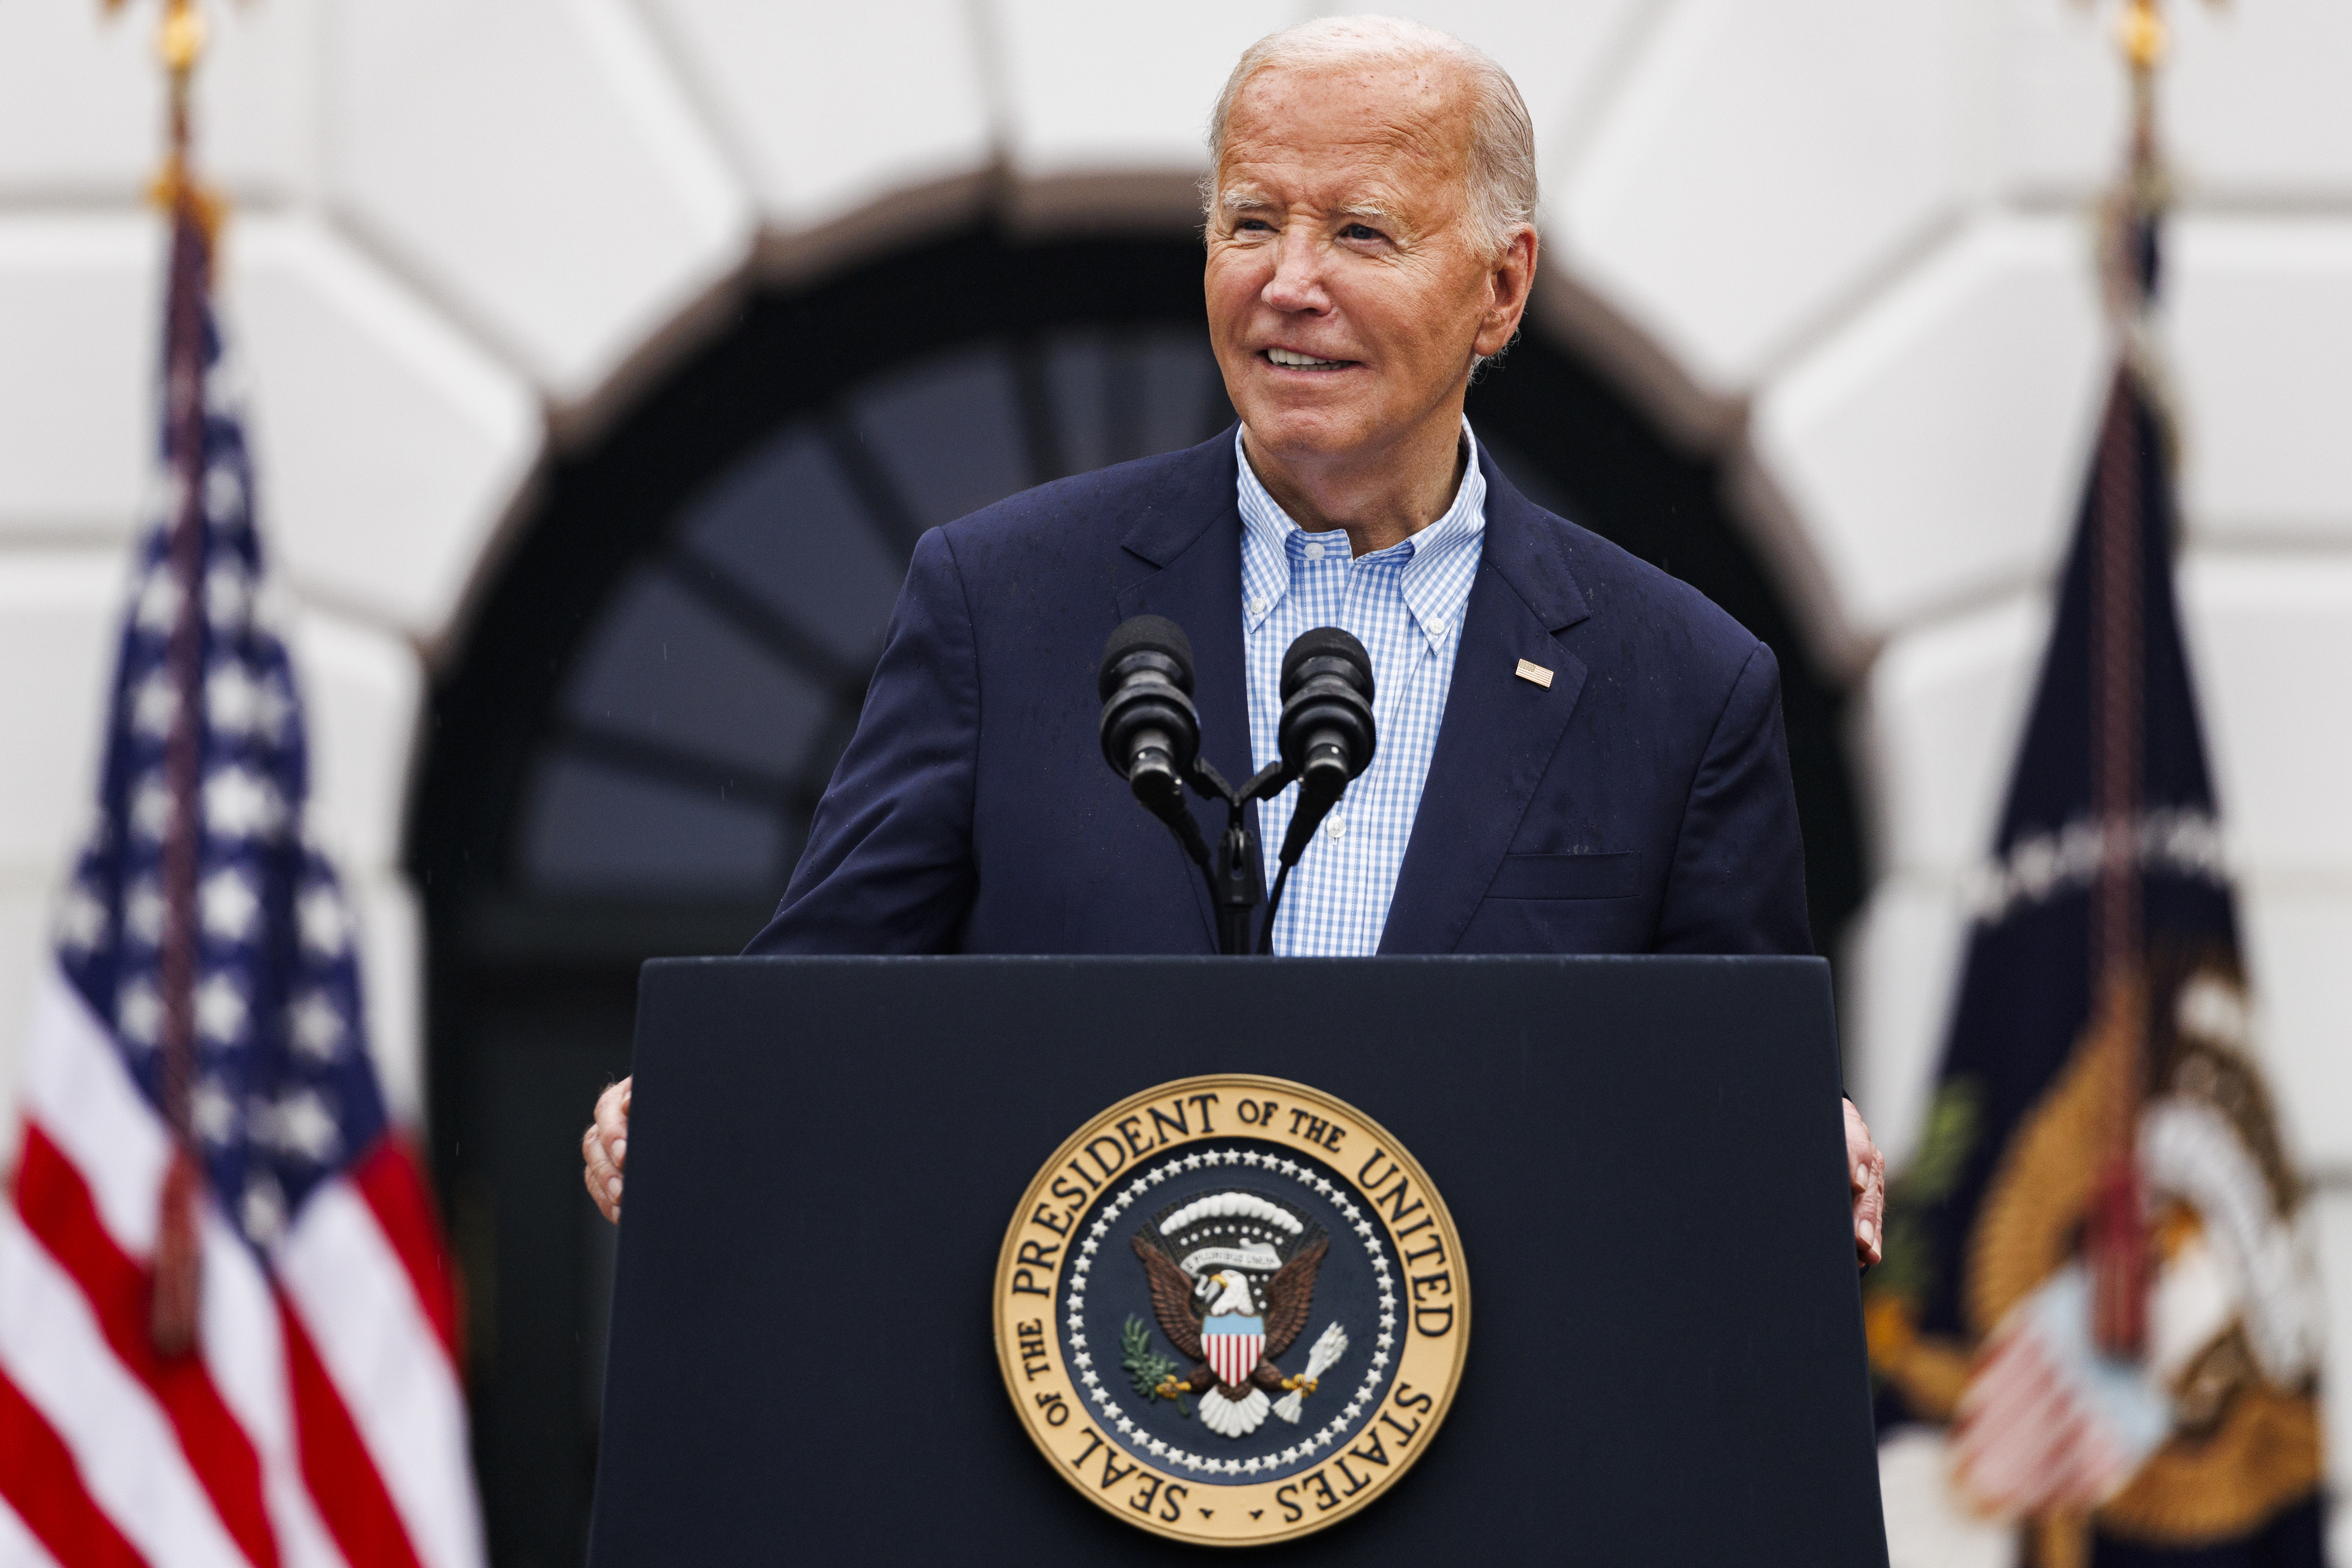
[{"x": 1510, "y": 277}]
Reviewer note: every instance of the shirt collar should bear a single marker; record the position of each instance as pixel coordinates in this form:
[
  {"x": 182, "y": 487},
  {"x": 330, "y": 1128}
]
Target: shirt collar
[{"x": 1440, "y": 561}]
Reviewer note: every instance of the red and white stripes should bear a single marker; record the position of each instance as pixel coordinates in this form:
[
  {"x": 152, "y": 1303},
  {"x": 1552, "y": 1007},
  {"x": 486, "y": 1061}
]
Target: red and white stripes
[
  {"x": 2046, "y": 1422},
  {"x": 322, "y": 1422},
  {"x": 2027, "y": 1444}
]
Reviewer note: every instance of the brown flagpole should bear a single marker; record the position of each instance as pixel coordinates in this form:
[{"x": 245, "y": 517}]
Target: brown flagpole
[
  {"x": 175, "y": 1307},
  {"x": 2115, "y": 1240}
]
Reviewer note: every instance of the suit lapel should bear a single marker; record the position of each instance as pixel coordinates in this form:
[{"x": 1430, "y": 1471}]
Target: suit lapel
[
  {"x": 1499, "y": 731},
  {"x": 1184, "y": 562}
]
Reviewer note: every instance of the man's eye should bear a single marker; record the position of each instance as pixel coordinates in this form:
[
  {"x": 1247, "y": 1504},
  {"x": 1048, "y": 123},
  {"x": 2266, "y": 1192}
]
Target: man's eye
[
  {"x": 1360, "y": 231},
  {"x": 1258, "y": 224}
]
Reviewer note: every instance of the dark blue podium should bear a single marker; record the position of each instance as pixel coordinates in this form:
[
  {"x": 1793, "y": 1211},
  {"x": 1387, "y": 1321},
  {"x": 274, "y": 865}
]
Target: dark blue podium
[{"x": 1643, "y": 1157}]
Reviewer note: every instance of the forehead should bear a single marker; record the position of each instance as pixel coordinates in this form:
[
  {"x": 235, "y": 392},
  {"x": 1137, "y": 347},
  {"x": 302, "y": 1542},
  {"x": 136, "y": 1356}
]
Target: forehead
[{"x": 1373, "y": 127}]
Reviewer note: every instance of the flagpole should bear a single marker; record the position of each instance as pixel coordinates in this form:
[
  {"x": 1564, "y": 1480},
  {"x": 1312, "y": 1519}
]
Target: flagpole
[
  {"x": 175, "y": 1304},
  {"x": 2116, "y": 1243},
  {"x": 2116, "y": 1240}
]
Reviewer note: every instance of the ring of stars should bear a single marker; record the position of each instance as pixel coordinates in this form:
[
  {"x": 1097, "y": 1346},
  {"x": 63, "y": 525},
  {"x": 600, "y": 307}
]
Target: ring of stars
[{"x": 1101, "y": 1392}]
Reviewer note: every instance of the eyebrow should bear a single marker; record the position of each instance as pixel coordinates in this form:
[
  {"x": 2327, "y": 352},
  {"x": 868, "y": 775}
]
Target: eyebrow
[{"x": 1249, "y": 199}]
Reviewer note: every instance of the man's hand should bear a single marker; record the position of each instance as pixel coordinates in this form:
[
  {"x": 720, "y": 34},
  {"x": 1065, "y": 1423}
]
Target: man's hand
[
  {"x": 605, "y": 1145},
  {"x": 1865, "y": 1171}
]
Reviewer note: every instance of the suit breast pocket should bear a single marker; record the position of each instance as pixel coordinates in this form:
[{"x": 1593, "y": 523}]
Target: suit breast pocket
[{"x": 1599, "y": 874}]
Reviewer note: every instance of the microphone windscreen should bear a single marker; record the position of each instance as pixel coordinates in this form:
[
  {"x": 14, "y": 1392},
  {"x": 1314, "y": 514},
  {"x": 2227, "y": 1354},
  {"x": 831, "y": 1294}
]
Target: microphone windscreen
[
  {"x": 1146, "y": 633},
  {"x": 1326, "y": 642}
]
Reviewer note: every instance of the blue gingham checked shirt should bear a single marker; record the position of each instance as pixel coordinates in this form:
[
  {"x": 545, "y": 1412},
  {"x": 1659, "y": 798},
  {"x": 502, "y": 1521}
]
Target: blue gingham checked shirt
[{"x": 1406, "y": 604}]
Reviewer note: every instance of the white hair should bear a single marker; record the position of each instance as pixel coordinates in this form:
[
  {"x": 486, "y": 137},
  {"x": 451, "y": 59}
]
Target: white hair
[{"x": 1502, "y": 161}]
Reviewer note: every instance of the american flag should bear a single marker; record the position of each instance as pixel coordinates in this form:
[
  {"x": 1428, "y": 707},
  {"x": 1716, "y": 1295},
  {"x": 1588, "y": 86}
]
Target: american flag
[{"x": 228, "y": 1326}]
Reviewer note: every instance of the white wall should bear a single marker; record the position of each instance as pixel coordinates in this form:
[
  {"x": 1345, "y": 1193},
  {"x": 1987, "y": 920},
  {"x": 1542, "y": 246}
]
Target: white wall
[{"x": 1847, "y": 240}]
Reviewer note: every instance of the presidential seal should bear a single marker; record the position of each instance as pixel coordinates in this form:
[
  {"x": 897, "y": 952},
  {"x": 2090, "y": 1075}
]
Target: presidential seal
[{"x": 1232, "y": 1310}]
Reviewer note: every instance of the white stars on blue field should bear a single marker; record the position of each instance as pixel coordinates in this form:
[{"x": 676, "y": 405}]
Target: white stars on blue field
[{"x": 280, "y": 1089}]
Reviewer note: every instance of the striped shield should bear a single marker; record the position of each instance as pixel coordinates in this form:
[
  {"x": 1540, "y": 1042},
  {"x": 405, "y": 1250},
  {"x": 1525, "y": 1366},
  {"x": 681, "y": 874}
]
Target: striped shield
[{"x": 1235, "y": 1344}]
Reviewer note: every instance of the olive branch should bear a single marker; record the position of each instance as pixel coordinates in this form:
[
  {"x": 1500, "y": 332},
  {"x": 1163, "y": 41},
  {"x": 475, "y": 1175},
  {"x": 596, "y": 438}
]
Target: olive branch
[{"x": 1146, "y": 1367}]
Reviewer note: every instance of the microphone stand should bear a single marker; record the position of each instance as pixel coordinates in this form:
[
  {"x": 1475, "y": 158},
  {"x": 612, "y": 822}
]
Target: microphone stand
[
  {"x": 1236, "y": 879},
  {"x": 1148, "y": 723}
]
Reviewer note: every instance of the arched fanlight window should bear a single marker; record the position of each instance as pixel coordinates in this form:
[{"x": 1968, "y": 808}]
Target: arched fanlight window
[{"x": 704, "y": 711}]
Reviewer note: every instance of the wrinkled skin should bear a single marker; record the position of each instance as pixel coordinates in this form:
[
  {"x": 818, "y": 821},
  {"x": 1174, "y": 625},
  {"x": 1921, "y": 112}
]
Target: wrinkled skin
[
  {"x": 605, "y": 1147},
  {"x": 1866, "y": 1175},
  {"x": 1342, "y": 230}
]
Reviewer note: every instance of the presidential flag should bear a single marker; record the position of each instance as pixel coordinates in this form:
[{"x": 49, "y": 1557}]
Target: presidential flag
[
  {"x": 228, "y": 1327},
  {"x": 2098, "y": 1293}
]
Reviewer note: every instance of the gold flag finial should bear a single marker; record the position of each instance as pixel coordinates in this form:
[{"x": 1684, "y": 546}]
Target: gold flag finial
[
  {"x": 181, "y": 41},
  {"x": 2140, "y": 30},
  {"x": 180, "y": 36},
  {"x": 2144, "y": 38}
]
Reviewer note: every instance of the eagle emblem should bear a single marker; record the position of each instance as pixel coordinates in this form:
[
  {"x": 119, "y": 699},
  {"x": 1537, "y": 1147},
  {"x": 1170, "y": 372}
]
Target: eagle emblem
[
  {"x": 1232, "y": 1277},
  {"x": 1184, "y": 1274}
]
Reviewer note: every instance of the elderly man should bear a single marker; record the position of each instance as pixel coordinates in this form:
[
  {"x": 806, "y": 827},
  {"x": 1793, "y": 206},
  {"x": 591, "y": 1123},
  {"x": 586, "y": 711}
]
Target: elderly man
[{"x": 1578, "y": 754}]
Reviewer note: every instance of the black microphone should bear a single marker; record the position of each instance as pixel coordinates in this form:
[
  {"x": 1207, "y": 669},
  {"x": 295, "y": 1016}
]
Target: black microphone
[
  {"x": 1150, "y": 730},
  {"x": 1325, "y": 736}
]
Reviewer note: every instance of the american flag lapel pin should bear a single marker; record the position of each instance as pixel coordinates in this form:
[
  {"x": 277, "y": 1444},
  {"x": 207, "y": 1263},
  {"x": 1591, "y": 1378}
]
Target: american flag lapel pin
[{"x": 1529, "y": 670}]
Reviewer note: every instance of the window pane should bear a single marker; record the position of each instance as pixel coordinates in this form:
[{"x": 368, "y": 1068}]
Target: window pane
[
  {"x": 949, "y": 434},
  {"x": 785, "y": 527},
  {"x": 1181, "y": 387},
  {"x": 1076, "y": 361},
  {"x": 595, "y": 829},
  {"x": 1123, "y": 393},
  {"x": 664, "y": 669}
]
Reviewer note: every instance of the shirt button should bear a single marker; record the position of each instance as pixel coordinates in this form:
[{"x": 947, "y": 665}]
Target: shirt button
[
  {"x": 1313, "y": 552},
  {"x": 1257, "y": 606},
  {"x": 1335, "y": 825}
]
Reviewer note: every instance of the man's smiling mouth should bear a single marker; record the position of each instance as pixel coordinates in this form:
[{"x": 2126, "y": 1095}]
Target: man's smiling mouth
[{"x": 1291, "y": 361}]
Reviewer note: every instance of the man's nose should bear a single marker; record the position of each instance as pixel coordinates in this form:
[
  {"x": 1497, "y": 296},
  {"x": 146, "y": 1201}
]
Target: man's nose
[{"x": 1297, "y": 285}]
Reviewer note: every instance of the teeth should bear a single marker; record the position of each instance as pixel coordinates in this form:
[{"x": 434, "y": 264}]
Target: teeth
[{"x": 1301, "y": 361}]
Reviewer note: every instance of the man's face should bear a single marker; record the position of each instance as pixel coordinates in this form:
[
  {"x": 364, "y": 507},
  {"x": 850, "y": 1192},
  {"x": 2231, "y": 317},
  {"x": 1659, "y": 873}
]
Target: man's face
[{"x": 1342, "y": 235}]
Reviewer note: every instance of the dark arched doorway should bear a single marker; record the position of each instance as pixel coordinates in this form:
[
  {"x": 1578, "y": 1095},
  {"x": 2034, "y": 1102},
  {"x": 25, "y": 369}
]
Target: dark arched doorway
[{"x": 624, "y": 751}]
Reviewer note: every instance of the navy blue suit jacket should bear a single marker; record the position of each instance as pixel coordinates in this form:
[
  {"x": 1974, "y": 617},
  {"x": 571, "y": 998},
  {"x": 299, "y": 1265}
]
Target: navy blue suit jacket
[{"x": 1640, "y": 803}]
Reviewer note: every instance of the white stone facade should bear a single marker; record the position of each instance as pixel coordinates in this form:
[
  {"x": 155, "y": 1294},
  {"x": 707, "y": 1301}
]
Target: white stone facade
[{"x": 1845, "y": 241}]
